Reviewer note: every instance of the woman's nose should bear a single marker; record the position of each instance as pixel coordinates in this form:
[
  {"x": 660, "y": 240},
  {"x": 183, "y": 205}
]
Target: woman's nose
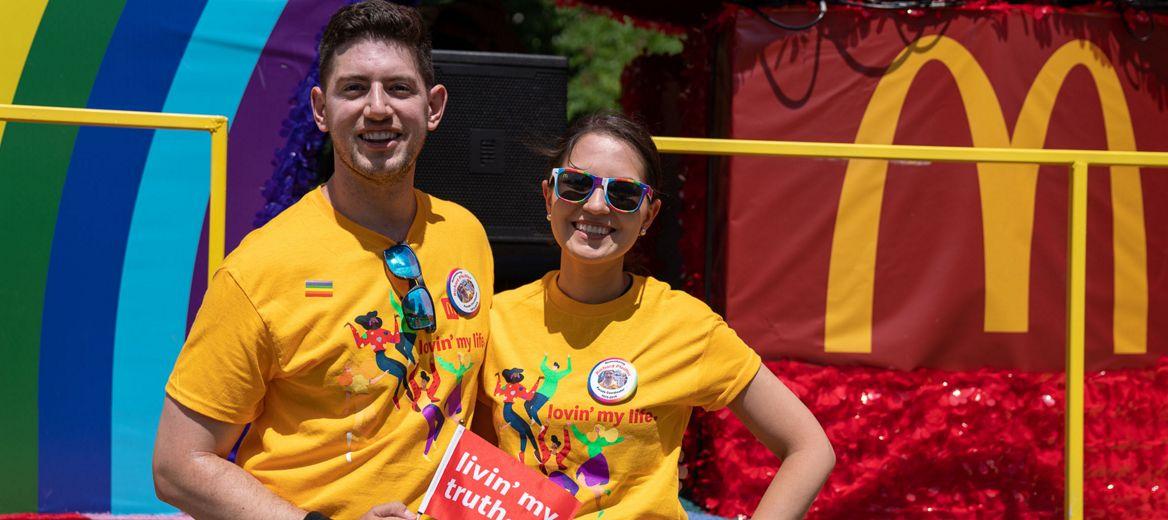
[{"x": 596, "y": 202}]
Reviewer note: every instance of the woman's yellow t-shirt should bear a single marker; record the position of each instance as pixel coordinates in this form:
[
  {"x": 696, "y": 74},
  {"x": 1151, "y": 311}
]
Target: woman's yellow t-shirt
[{"x": 620, "y": 460}]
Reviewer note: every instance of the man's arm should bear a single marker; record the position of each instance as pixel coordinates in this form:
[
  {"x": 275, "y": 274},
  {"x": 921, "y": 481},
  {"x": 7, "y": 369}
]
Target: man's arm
[{"x": 191, "y": 471}]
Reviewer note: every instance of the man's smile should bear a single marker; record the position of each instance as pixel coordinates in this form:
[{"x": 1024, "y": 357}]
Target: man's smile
[{"x": 380, "y": 138}]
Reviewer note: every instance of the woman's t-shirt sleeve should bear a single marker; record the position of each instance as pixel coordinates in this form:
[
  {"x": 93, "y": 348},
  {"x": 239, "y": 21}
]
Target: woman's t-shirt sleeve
[
  {"x": 727, "y": 366},
  {"x": 224, "y": 367}
]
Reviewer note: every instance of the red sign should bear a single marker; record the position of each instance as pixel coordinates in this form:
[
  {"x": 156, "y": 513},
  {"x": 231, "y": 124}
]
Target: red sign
[
  {"x": 955, "y": 266},
  {"x": 478, "y": 480}
]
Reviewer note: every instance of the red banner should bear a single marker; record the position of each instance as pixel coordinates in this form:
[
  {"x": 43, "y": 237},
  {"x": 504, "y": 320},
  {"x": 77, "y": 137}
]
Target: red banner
[
  {"x": 952, "y": 266},
  {"x": 478, "y": 480}
]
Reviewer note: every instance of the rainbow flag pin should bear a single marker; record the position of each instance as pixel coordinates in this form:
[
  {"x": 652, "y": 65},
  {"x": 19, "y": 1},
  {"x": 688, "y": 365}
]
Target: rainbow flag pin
[{"x": 318, "y": 288}]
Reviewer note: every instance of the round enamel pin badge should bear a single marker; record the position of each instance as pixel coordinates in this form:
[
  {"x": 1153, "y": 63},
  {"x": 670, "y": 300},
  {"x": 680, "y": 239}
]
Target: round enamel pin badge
[
  {"x": 612, "y": 380},
  {"x": 463, "y": 290}
]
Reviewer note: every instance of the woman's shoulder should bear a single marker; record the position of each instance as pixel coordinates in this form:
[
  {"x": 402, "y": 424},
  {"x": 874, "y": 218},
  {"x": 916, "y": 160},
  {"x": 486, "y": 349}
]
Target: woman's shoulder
[{"x": 660, "y": 295}]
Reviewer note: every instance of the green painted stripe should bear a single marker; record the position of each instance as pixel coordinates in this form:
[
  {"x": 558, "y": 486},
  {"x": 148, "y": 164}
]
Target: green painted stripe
[
  {"x": 34, "y": 158},
  {"x": 311, "y": 285}
]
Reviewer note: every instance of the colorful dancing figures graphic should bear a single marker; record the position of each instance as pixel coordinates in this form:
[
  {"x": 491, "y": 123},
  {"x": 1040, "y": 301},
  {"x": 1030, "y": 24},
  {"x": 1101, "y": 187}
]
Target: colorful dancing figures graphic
[
  {"x": 594, "y": 471},
  {"x": 353, "y": 383},
  {"x": 454, "y": 400},
  {"x": 431, "y": 412},
  {"x": 408, "y": 335},
  {"x": 429, "y": 385},
  {"x": 515, "y": 389},
  {"x": 378, "y": 338},
  {"x": 552, "y": 377},
  {"x": 560, "y": 450}
]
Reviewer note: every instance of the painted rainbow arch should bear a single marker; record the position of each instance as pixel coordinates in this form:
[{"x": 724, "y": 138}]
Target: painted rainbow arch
[{"x": 104, "y": 228}]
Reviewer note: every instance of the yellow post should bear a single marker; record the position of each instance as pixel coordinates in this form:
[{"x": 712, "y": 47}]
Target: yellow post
[
  {"x": 1076, "y": 330},
  {"x": 102, "y": 117},
  {"x": 895, "y": 152},
  {"x": 1076, "y": 254},
  {"x": 217, "y": 219},
  {"x": 216, "y": 125}
]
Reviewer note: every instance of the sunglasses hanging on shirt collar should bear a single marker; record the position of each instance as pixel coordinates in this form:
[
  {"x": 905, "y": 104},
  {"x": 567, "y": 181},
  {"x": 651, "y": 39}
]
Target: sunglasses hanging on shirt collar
[{"x": 417, "y": 304}]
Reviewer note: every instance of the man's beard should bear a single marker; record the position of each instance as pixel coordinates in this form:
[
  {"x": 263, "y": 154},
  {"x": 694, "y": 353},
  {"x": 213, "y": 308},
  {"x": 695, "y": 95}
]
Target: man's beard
[{"x": 391, "y": 174}]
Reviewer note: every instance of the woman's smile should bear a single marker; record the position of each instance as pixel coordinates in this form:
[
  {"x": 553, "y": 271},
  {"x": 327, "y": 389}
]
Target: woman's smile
[{"x": 592, "y": 231}]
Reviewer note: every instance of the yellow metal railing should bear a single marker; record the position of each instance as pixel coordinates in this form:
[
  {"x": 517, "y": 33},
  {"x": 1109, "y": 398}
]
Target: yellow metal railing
[
  {"x": 1077, "y": 160},
  {"x": 216, "y": 125}
]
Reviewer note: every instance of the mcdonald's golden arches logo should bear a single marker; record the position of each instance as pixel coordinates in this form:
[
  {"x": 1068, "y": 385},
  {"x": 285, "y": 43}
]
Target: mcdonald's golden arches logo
[{"x": 1007, "y": 195}]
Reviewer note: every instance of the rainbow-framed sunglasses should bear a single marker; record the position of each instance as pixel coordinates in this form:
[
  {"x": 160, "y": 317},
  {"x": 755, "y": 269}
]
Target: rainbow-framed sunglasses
[{"x": 622, "y": 194}]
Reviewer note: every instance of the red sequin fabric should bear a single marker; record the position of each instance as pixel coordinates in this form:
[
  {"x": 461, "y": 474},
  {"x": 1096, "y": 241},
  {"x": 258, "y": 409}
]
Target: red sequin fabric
[{"x": 941, "y": 444}]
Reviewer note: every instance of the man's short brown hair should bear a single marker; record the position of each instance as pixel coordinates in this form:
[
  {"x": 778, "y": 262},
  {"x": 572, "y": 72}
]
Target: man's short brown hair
[{"x": 376, "y": 20}]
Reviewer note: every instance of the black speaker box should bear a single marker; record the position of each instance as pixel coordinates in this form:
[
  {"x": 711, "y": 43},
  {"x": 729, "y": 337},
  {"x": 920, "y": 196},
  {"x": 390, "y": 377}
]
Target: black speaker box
[
  {"x": 483, "y": 155},
  {"x": 501, "y": 108}
]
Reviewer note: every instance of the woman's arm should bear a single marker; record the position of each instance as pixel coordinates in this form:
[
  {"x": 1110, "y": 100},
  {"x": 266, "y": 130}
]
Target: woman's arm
[{"x": 780, "y": 421}]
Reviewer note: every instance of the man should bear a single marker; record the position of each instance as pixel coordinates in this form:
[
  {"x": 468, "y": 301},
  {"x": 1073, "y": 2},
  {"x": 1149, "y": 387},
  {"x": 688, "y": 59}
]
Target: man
[{"x": 313, "y": 325}]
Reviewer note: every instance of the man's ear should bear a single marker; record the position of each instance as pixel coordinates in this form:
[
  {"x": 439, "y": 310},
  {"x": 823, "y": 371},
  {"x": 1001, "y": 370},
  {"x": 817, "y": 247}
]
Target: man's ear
[
  {"x": 435, "y": 107},
  {"x": 317, "y": 97}
]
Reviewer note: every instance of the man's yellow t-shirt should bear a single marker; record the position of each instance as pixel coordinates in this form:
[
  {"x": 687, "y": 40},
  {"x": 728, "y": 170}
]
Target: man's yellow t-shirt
[
  {"x": 548, "y": 376},
  {"x": 301, "y": 335}
]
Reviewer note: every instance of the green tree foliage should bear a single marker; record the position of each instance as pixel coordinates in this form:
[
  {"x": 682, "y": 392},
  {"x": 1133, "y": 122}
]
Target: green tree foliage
[{"x": 598, "y": 48}]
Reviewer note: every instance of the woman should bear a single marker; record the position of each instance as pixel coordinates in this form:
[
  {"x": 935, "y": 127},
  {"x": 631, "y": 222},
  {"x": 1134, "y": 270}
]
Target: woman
[{"x": 647, "y": 354}]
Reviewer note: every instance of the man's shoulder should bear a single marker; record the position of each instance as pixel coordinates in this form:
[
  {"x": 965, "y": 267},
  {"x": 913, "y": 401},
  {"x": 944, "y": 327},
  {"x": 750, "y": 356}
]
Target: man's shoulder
[
  {"x": 274, "y": 242},
  {"x": 451, "y": 216}
]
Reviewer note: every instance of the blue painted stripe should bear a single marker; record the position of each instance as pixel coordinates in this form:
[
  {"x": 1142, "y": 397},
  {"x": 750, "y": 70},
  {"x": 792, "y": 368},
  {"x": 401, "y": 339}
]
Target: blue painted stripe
[
  {"x": 164, "y": 235},
  {"x": 86, "y": 265}
]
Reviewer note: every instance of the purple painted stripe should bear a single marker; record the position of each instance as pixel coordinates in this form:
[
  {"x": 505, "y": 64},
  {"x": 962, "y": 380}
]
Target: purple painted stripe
[{"x": 255, "y": 133}]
